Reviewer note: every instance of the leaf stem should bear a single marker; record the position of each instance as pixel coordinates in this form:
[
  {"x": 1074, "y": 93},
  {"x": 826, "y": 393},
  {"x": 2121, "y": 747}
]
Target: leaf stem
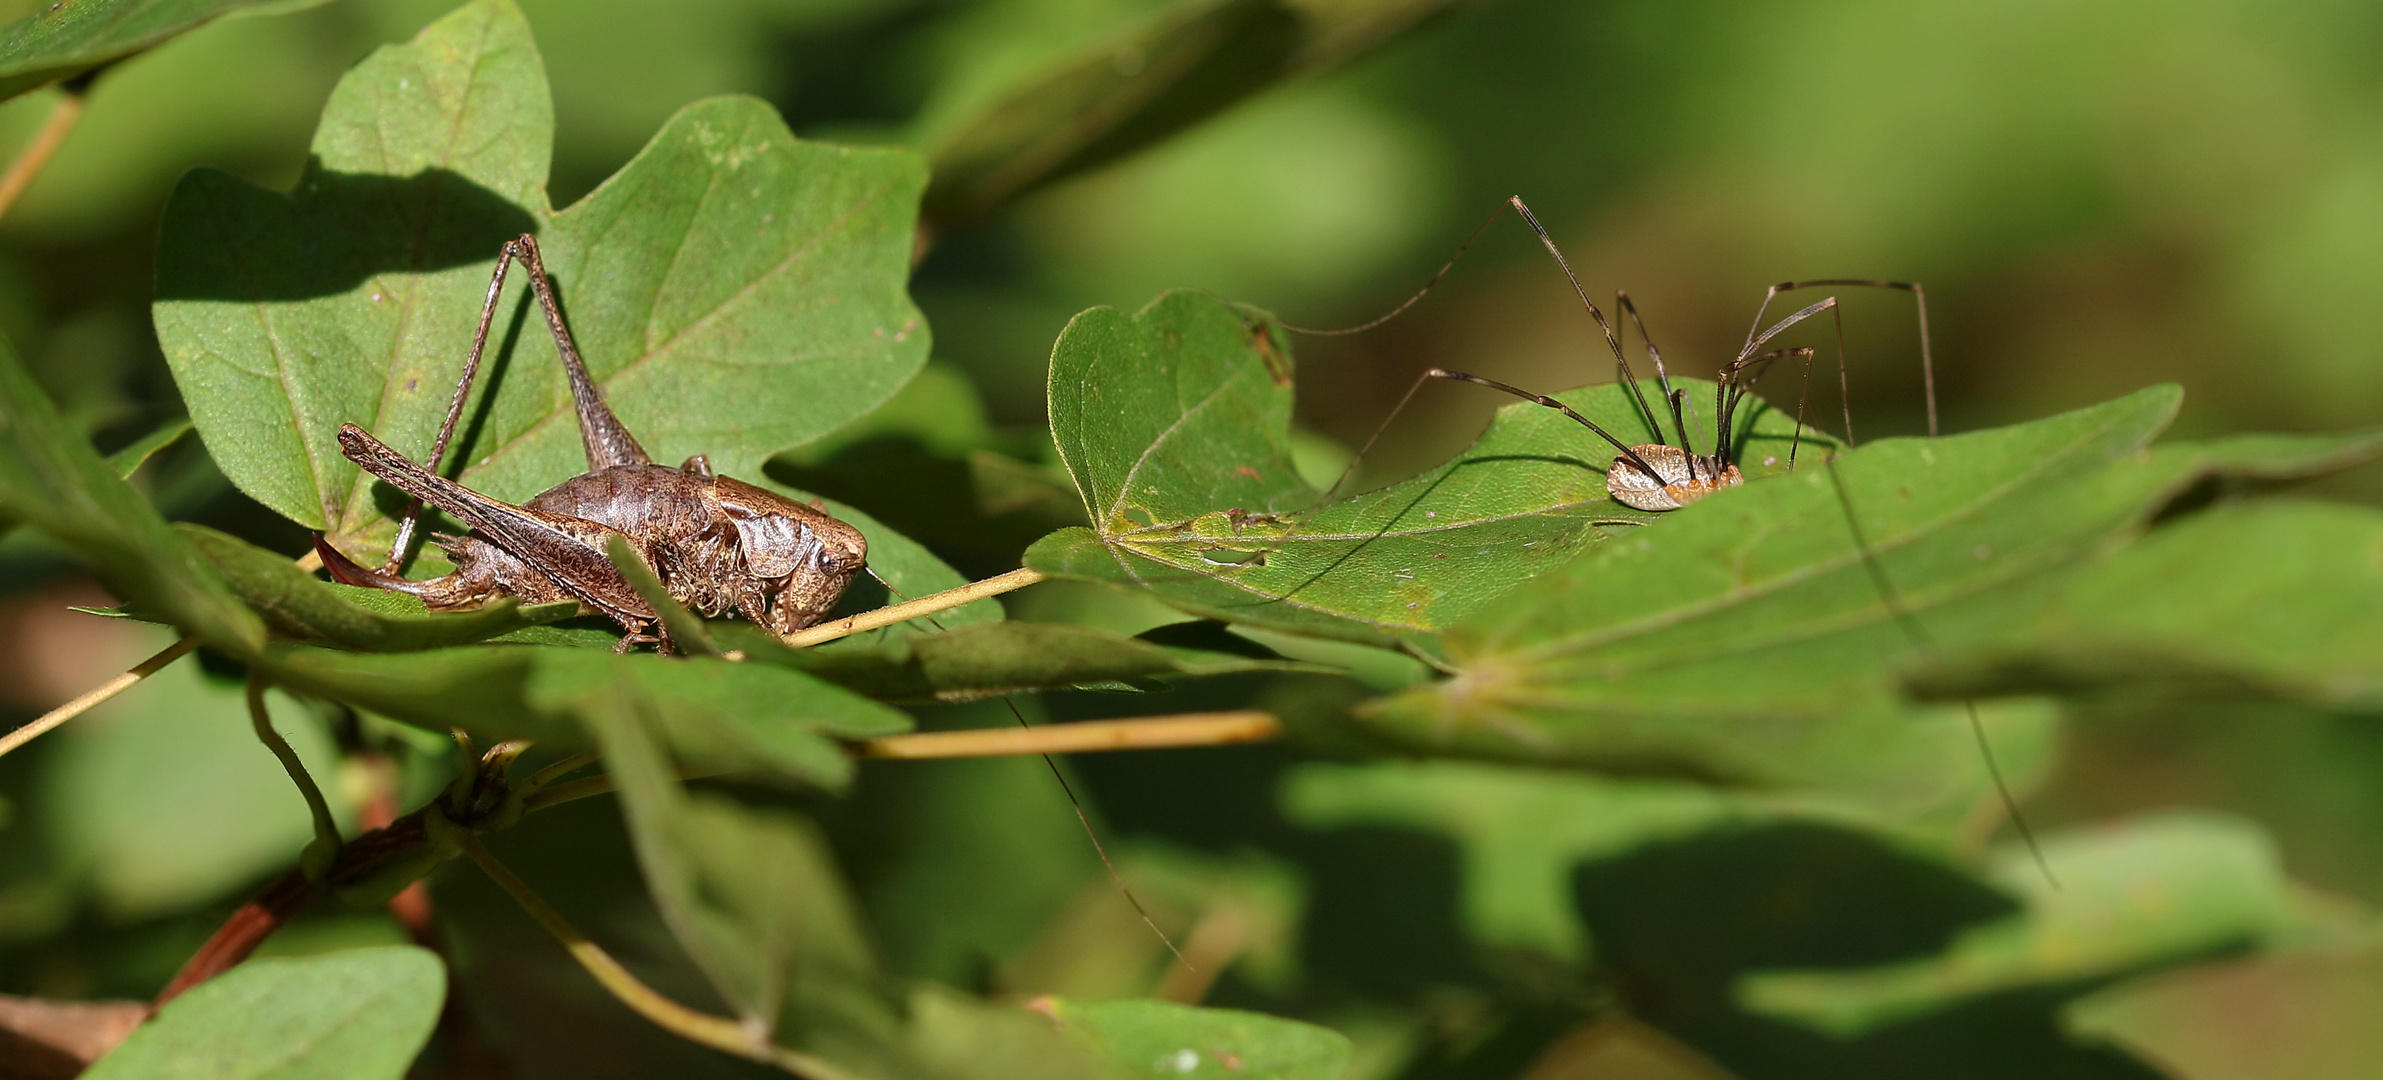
[
  {"x": 925, "y": 605},
  {"x": 717, "y": 1032},
  {"x": 97, "y": 694},
  {"x": 326, "y": 829},
  {"x": 45, "y": 142}
]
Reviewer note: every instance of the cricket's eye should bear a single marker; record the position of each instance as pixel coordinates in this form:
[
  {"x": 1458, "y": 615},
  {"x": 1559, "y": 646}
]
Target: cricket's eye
[{"x": 774, "y": 545}]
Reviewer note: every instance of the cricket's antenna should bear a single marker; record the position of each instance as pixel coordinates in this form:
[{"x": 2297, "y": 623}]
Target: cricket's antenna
[
  {"x": 1097, "y": 849},
  {"x": 1918, "y": 633},
  {"x": 1919, "y": 296}
]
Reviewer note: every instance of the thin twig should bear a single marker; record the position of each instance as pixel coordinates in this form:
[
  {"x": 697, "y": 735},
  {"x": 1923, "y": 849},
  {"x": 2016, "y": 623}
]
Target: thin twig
[
  {"x": 100, "y": 693},
  {"x": 925, "y": 605},
  {"x": 718, "y": 1032},
  {"x": 326, "y": 828},
  {"x": 37, "y": 153},
  {"x": 1091, "y": 736},
  {"x": 1087, "y": 737}
]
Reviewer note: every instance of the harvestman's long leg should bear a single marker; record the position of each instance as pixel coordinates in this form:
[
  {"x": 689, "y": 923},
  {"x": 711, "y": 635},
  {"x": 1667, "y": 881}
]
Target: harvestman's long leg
[
  {"x": 1919, "y": 296},
  {"x": 1621, "y": 300},
  {"x": 1542, "y": 399},
  {"x": 1729, "y": 371}
]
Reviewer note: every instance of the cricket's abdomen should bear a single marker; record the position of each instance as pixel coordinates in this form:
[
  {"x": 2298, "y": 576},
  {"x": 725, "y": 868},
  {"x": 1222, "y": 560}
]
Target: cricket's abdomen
[{"x": 651, "y": 504}]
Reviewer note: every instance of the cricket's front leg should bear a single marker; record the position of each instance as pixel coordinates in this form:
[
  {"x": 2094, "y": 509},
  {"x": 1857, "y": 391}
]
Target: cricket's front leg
[{"x": 567, "y": 549}]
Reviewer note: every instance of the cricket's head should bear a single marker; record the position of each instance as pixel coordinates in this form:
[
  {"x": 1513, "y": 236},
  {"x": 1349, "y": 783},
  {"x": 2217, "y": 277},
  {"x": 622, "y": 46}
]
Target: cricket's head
[
  {"x": 1685, "y": 478},
  {"x": 800, "y": 555}
]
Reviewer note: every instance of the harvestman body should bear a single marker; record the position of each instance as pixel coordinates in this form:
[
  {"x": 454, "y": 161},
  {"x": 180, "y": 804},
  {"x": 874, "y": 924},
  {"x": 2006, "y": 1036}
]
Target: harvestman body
[
  {"x": 717, "y": 543},
  {"x": 1660, "y": 476}
]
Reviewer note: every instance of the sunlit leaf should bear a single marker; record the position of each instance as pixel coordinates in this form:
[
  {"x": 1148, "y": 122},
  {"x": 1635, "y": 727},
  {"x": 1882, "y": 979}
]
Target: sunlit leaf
[
  {"x": 361, "y": 1014},
  {"x": 304, "y": 608},
  {"x": 59, "y": 40},
  {"x": 2130, "y": 895},
  {"x": 734, "y": 291},
  {"x": 1176, "y": 425}
]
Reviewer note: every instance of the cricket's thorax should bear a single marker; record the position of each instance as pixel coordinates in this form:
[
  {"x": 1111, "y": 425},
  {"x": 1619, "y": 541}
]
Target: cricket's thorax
[
  {"x": 1632, "y": 487},
  {"x": 717, "y": 543}
]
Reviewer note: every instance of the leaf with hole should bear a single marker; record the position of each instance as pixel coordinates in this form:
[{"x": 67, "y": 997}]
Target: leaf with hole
[{"x": 1175, "y": 423}]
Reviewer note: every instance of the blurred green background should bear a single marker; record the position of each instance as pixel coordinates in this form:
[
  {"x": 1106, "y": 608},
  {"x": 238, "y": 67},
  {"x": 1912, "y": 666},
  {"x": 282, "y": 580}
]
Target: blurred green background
[{"x": 2098, "y": 197}]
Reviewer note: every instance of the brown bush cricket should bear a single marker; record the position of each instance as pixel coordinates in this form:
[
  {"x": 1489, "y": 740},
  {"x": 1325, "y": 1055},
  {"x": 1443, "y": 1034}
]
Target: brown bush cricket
[{"x": 717, "y": 543}]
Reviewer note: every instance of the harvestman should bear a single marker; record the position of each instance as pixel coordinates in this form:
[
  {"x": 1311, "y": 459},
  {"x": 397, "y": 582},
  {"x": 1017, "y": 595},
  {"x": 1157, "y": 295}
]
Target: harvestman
[{"x": 1660, "y": 476}]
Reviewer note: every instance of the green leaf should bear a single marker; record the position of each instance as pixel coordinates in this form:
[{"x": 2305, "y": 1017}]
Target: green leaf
[
  {"x": 715, "y": 712},
  {"x": 2153, "y": 889},
  {"x": 1178, "y": 410},
  {"x": 1521, "y": 832},
  {"x": 2305, "y": 1013},
  {"x": 684, "y": 626},
  {"x": 995, "y": 139},
  {"x": 361, "y": 1014},
  {"x": 129, "y": 460},
  {"x": 1173, "y": 419},
  {"x": 752, "y": 895},
  {"x": 300, "y": 606},
  {"x": 734, "y": 291},
  {"x": 991, "y": 659},
  {"x": 1749, "y": 640},
  {"x": 52, "y": 480},
  {"x": 62, "y": 40},
  {"x": 2281, "y": 601},
  {"x": 1158, "y": 1039}
]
